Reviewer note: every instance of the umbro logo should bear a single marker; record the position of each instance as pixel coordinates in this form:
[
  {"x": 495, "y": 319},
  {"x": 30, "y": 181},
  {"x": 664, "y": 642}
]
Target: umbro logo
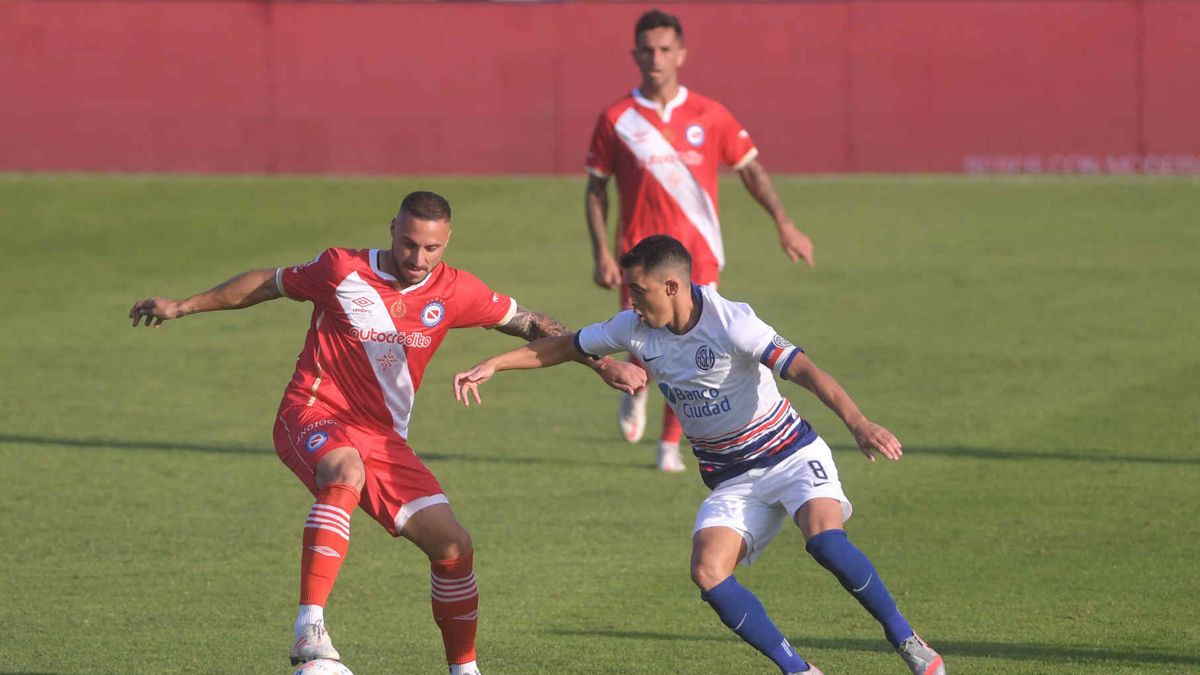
[
  {"x": 325, "y": 550},
  {"x": 363, "y": 301}
]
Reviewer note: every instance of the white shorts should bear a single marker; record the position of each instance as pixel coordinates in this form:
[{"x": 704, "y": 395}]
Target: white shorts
[{"x": 758, "y": 502}]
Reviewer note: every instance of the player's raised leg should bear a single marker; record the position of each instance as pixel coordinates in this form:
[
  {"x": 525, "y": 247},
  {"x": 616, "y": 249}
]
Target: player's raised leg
[
  {"x": 715, "y": 553},
  {"x": 453, "y": 593},
  {"x": 821, "y": 522},
  {"x": 339, "y": 480}
]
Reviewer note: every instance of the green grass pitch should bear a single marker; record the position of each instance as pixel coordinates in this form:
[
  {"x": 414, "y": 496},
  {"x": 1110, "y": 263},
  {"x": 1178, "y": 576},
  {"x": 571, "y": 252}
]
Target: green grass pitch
[{"x": 1034, "y": 343}]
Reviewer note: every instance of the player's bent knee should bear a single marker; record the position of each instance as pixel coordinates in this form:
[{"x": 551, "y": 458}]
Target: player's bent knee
[
  {"x": 437, "y": 533},
  {"x": 341, "y": 466},
  {"x": 456, "y": 544},
  {"x": 707, "y": 574}
]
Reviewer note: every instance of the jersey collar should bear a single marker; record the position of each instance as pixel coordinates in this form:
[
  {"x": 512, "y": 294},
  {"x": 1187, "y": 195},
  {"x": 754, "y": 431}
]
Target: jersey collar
[
  {"x": 376, "y": 252},
  {"x": 665, "y": 112}
]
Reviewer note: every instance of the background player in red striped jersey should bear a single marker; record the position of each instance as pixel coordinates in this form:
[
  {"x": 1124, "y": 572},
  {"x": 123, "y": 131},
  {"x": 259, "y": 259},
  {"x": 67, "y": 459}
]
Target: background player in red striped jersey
[
  {"x": 378, "y": 317},
  {"x": 664, "y": 144}
]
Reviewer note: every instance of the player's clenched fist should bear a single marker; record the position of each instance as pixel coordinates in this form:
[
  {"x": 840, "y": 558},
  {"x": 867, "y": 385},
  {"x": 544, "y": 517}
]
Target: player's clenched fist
[{"x": 154, "y": 311}]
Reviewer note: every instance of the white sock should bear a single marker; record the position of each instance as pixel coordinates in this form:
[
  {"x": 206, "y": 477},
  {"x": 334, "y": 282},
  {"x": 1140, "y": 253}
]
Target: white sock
[
  {"x": 307, "y": 614},
  {"x": 468, "y": 668}
]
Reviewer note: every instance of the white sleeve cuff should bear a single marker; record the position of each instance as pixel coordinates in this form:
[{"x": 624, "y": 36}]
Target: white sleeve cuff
[
  {"x": 512, "y": 311},
  {"x": 279, "y": 283},
  {"x": 746, "y": 159}
]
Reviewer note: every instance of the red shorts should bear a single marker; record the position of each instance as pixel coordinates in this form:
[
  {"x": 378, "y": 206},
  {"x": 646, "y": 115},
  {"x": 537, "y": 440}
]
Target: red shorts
[{"x": 398, "y": 484}]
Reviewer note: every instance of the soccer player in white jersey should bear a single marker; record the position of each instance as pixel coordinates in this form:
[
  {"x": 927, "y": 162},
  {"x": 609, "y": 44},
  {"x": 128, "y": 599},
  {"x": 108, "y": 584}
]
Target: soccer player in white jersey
[
  {"x": 664, "y": 144},
  {"x": 715, "y": 361},
  {"x": 378, "y": 317}
]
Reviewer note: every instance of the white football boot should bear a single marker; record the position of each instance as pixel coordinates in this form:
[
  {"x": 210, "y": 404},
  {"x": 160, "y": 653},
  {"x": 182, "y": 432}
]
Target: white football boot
[
  {"x": 464, "y": 669},
  {"x": 314, "y": 643},
  {"x": 631, "y": 416},
  {"x": 669, "y": 460},
  {"x": 920, "y": 657}
]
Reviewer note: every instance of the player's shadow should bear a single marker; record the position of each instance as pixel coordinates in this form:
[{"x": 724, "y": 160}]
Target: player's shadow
[
  {"x": 17, "y": 439},
  {"x": 591, "y": 459},
  {"x": 1013, "y": 651},
  {"x": 1067, "y": 454},
  {"x": 580, "y": 459}
]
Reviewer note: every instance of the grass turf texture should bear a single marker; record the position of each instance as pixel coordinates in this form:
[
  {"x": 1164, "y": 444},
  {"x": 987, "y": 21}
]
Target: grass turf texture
[{"x": 1032, "y": 342}]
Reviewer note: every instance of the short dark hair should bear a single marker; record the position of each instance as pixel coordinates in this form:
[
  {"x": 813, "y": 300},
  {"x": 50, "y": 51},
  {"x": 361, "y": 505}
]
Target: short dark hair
[
  {"x": 657, "y": 251},
  {"x": 656, "y": 18},
  {"x": 426, "y": 206}
]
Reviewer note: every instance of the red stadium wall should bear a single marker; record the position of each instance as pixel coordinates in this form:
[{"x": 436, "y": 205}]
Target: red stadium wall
[{"x": 889, "y": 85}]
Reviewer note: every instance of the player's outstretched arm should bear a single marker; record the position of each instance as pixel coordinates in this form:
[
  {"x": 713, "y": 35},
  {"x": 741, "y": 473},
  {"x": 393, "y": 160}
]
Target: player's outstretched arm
[
  {"x": 795, "y": 244},
  {"x": 246, "y": 289},
  {"x": 606, "y": 274},
  {"x": 530, "y": 325},
  {"x": 871, "y": 437},
  {"x": 543, "y": 353}
]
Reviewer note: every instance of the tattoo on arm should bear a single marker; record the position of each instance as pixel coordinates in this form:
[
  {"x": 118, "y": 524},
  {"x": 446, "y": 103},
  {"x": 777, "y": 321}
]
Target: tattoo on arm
[
  {"x": 530, "y": 325},
  {"x": 758, "y": 184},
  {"x": 595, "y": 207}
]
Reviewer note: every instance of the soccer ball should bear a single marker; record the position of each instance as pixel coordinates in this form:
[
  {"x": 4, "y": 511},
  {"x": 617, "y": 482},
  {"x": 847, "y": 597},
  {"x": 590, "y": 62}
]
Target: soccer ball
[{"x": 322, "y": 667}]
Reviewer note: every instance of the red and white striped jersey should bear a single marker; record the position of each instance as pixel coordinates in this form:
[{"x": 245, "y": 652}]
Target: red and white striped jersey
[
  {"x": 368, "y": 343},
  {"x": 666, "y": 169}
]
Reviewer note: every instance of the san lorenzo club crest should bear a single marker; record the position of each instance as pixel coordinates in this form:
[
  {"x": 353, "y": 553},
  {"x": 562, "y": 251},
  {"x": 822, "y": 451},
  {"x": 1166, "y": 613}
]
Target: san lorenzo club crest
[{"x": 705, "y": 358}]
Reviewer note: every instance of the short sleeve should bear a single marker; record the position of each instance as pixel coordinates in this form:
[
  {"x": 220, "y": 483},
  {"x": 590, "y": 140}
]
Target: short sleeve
[
  {"x": 478, "y": 305},
  {"x": 309, "y": 281},
  {"x": 600, "y": 152},
  {"x": 754, "y": 339},
  {"x": 608, "y": 337},
  {"x": 737, "y": 148}
]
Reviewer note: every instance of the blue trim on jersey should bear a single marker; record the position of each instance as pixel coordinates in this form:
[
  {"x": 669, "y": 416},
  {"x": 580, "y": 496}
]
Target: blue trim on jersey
[
  {"x": 579, "y": 348},
  {"x": 761, "y": 423},
  {"x": 766, "y": 438},
  {"x": 783, "y": 370},
  {"x": 698, "y": 299},
  {"x": 715, "y": 475}
]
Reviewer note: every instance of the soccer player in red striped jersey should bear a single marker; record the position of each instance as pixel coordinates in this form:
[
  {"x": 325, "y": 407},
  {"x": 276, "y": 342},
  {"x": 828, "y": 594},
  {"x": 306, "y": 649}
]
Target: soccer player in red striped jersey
[
  {"x": 378, "y": 317},
  {"x": 664, "y": 143}
]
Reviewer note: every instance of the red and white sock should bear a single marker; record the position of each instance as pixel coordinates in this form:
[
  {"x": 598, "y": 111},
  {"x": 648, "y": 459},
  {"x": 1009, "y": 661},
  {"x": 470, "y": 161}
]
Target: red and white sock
[
  {"x": 455, "y": 606},
  {"x": 326, "y": 540}
]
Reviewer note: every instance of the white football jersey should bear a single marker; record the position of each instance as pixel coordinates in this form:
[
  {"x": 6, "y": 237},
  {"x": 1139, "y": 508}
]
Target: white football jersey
[{"x": 718, "y": 379}]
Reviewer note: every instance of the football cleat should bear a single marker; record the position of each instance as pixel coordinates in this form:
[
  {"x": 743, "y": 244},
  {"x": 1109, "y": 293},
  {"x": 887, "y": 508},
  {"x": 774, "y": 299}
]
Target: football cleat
[
  {"x": 920, "y": 657},
  {"x": 812, "y": 670},
  {"x": 313, "y": 644},
  {"x": 631, "y": 416},
  {"x": 669, "y": 459},
  {"x": 464, "y": 669}
]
